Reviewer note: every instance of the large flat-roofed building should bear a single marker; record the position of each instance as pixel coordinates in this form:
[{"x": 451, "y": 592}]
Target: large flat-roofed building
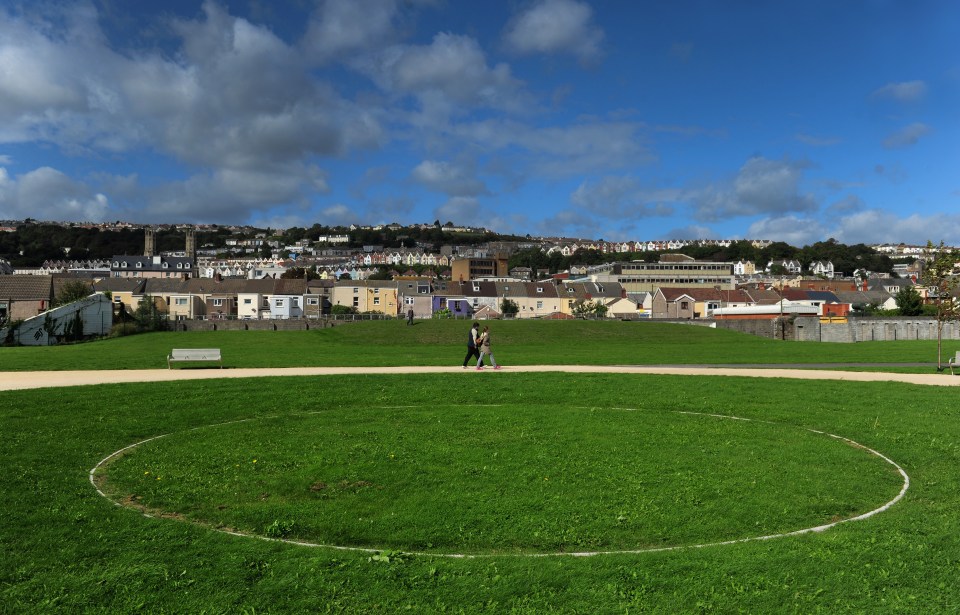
[
  {"x": 466, "y": 269},
  {"x": 672, "y": 271}
]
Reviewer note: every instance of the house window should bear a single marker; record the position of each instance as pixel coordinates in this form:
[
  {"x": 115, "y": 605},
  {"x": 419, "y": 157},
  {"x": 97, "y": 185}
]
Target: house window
[
  {"x": 356, "y": 302},
  {"x": 218, "y": 303},
  {"x": 539, "y": 305},
  {"x": 117, "y": 299},
  {"x": 355, "y": 290},
  {"x": 247, "y": 301},
  {"x": 180, "y": 301},
  {"x": 278, "y": 303},
  {"x": 179, "y": 265},
  {"x": 684, "y": 305},
  {"x": 294, "y": 302},
  {"x": 164, "y": 265},
  {"x": 376, "y": 291},
  {"x": 376, "y": 300},
  {"x": 408, "y": 301},
  {"x": 539, "y": 289},
  {"x": 139, "y": 264},
  {"x": 313, "y": 301}
]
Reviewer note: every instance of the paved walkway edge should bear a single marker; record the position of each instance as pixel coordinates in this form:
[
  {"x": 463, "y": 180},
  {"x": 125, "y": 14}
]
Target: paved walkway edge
[{"x": 11, "y": 381}]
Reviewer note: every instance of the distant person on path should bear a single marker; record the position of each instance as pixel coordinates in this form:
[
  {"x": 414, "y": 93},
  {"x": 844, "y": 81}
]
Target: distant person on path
[
  {"x": 410, "y": 316},
  {"x": 472, "y": 350},
  {"x": 484, "y": 343}
]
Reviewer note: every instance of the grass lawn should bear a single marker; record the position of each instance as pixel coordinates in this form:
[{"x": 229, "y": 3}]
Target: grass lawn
[
  {"x": 502, "y": 466},
  {"x": 443, "y": 342}
]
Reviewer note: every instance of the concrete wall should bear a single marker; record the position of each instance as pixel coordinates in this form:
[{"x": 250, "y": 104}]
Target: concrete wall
[
  {"x": 290, "y": 324},
  {"x": 874, "y": 330},
  {"x": 763, "y": 327}
]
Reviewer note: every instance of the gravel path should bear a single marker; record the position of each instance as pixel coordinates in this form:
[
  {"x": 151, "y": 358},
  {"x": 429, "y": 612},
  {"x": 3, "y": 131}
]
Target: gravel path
[{"x": 10, "y": 381}]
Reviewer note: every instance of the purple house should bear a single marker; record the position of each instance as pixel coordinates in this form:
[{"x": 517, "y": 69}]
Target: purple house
[{"x": 459, "y": 306}]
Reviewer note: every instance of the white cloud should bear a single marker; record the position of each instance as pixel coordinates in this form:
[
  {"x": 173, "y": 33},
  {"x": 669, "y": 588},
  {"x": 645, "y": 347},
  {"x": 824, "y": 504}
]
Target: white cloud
[
  {"x": 48, "y": 194},
  {"x": 468, "y": 211},
  {"x": 620, "y": 197},
  {"x": 875, "y": 226},
  {"x": 341, "y": 27},
  {"x": 567, "y": 150},
  {"x": 906, "y": 91},
  {"x": 556, "y": 26},
  {"x": 762, "y": 186},
  {"x": 906, "y": 136},
  {"x": 866, "y": 226},
  {"x": 450, "y": 179},
  {"x": 793, "y": 230},
  {"x": 339, "y": 212},
  {"x": 850, "y": 203},
  {"x": 448, "y": 75}
]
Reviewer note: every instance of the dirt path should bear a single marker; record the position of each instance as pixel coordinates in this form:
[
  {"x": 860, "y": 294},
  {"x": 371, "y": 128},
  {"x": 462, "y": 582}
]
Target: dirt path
[{"x": 10, "y": 381}]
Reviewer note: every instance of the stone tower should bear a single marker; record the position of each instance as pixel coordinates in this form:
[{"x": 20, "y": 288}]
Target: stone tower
[
  {"x": 149, "y": 242},
  {"x": 191, "y": 246}
]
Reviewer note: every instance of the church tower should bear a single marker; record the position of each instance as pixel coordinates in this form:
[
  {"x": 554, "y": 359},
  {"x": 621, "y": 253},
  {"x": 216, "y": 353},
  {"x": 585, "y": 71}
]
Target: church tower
[
  {"x": 191, "y": 246},
  {"x": 149, "y": 242}
]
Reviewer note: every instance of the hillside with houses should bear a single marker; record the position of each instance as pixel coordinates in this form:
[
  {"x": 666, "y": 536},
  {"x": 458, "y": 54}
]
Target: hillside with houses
[{"x": 322, "y": 276}]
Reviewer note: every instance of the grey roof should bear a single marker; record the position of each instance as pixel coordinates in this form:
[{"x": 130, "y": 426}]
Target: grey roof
[
  {"x": 119, "y": 285},
  {"x": 859, "y": 297},
  {"x": 823, "y": 295}
]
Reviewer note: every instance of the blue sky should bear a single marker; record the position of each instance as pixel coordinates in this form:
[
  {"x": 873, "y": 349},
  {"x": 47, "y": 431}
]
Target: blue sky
[{"x": 794, "y": 121}]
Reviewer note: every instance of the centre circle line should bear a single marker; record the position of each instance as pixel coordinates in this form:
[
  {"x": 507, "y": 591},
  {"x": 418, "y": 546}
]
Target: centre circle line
[{"x": 301, "y": 543}]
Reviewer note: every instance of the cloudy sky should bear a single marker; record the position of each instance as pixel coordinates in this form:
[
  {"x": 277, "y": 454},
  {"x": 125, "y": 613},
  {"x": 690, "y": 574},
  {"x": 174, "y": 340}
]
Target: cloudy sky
[{"x": 796, "y": 120}]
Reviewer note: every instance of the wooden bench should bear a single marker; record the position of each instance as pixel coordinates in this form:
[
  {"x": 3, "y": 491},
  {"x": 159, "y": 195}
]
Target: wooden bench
[
  {"x": 194, "y": 354},
  {"x": 954, "y": 362}
]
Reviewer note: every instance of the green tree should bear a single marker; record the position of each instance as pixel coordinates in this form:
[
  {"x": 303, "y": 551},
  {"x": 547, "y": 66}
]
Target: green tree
[
  {"x": 909, "y": 301},
  {"x": 340, "y": 310},
  {"x": 508, "y": 307},
  {"x": 149, "y": 317},
  {"x": 299, "y": 273},
  {"x": 940, "y": 282},
  {"x": 72, "y": 290}
]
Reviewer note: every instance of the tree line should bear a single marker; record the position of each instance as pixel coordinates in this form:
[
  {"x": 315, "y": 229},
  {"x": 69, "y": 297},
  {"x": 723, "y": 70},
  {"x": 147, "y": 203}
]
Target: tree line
[{"x": 845, "y": 259}]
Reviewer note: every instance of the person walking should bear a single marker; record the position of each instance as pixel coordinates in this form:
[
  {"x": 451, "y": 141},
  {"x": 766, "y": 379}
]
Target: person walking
[
  {"x": 472, "y": 349},
  {"x": 484, "y": 343},
  {"x": 410, "y": 316}
]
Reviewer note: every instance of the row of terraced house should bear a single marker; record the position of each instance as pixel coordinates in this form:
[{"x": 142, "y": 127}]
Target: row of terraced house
[{"x": 278, "y": 298}]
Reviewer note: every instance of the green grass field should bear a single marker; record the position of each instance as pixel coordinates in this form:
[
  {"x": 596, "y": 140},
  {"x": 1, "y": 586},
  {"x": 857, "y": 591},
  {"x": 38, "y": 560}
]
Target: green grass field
[
  {"x": 517, "y": 468},
  {"x": 443, "y": 342}
]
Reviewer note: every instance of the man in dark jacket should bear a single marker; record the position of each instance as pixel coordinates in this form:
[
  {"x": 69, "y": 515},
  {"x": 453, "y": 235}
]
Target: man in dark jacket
[{"x": 472, "y": 350}]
